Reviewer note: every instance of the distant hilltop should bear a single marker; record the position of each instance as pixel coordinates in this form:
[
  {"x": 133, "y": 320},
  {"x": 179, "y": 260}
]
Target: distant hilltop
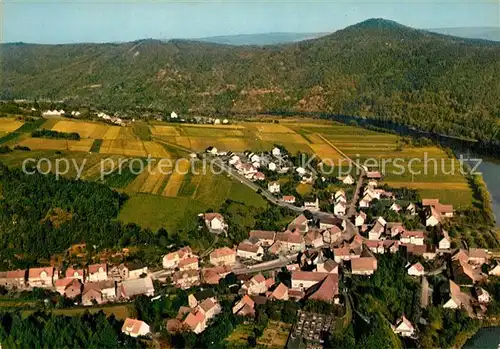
[{"x": 375, "y": 69}]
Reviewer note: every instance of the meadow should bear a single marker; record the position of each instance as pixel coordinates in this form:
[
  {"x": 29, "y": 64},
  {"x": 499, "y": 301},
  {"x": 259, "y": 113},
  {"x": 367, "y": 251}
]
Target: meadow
[{"x": 158, "y": 199}]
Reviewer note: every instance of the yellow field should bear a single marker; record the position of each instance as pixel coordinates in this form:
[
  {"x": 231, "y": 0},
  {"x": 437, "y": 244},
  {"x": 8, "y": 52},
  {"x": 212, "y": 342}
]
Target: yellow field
[
  {"x": 283, "y": 137},
  {"x": 8, "y": 125},
  {"x": 111, "y": 133},
  {"x": 325, "y": 151},
  {"x": 273, "y": 128},
  {"x": 127, "y": 133},
  {"x": 57, "y": 144},
  {"x": 123, "y": 147},
  {"x": 183, "y": 142},
  {"x": 156, "y": 150},
  {"x": 159, "y": 130},
  {"x": 155, "y": 179},
  {"x": 177, "y": 177},
  {"x": 430, "y": 185},
  {"x": 84, "y": 129}
]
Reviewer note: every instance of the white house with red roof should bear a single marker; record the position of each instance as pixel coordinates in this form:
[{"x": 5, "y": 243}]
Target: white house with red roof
[
  {"x": 249, "y": 251},
  {"x": 214, "y": 222},
  {"x": 42, "y": 277},
  {"x": 223, "y": 256},
  {"x": 416, "y": 269},
  {"x": 403, "y": 327},
  {"x": 97, "y": 272},
  {"x": 363, "y": 265},
  {"x": 415, "y": 237},
  {"x": 135, "y": 328},
  {"x": 172, "y": 259}
]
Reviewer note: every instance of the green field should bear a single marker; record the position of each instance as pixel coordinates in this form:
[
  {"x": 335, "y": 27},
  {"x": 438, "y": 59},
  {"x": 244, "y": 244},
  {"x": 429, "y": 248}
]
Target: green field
[
  {"x": 275, "y": 335},
  {"x": 120, "y": 311}
]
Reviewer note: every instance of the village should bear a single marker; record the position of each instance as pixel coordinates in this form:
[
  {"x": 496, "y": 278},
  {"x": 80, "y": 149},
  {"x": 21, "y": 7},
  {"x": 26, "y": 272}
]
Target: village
[{"x": 316, "y": 249}]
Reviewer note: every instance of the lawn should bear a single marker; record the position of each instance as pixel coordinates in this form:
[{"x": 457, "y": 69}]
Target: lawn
[
  {"x": 275, "y": 335},
  {"x": 120, "y": 311}
]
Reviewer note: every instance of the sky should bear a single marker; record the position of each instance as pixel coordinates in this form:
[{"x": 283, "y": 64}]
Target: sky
[{"x": 72, "y": 21}]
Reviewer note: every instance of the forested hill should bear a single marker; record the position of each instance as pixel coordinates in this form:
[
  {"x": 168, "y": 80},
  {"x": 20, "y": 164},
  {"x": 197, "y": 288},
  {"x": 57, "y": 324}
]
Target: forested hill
[{"x": 376, "y": 68}]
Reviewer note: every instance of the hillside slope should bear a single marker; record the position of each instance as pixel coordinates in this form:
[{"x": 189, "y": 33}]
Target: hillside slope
[{"x": 376, "y": 69}]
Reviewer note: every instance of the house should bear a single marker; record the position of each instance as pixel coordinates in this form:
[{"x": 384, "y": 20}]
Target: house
[
  {"x": 339, "y": 194},
  {"x": 245, "y": 307},
  {"x": 457, "y": 299},
  {"x": 72, "y": 273},
  {"x": 327, "y": 266},
  {"x": 300, "y": 223},
  {"x": 13, "y": 279},
  {"x": 272, "y": 166},
  {"x": 302, "y": 280},
  {"x": 263, "y": 237},
  {"x": 273, "y": 187},
  {"x": 373, "y": 175},
  {"x": 349, "y": 180},
  {"x": 280, "y": 293},
  {"x": 289, "y": 199},
  {"x": 376, "y": 246},
  {"x": 42, "y": 277},
  {"x": 363, "y": 265},
  {"x": 340, "y": 208},
  {"x": 135, "y": 287},
  {"x": 328, "y": 222},
  {"x": 482, "y": 295},
  {"x": 372, "y": 183},
  {"x": 194, "y": 299},
  {"x": 413, "y": 237},
  {"x": 331, "y": 235},
  {"x": 341, "y": 254},
  {"x": 395, "y": 207},
  {"x": 97, "y": 272},
  {"x": 445, "y": 242},
  {"x": 403, "y": 327},
  {"x": 209, "y": 308},
  {"x": 416, "y": 269},
  {"x": 249, "y": 251},
  {"x": 312, "y": 205},
  {"x": 495, "y": 271},
  {"x": 68, "y": 287},
  {"x": 135, "y": 328},
  {"x": 223, "y": 256},
  {"x": 392, "y": 246},
  {"x": 195, "y": 321},
  {"x": 214, "y": 222},
  {"x": 256, "y": 285},
  {"x": 212, "y": 150},
  {"x": 360, "y": 219},
  {"x": 365, "y": 201},
  {"x": 186, "y": 278},
  {"x": 376, "y": 231},
  {"x": 212, "y": 276},
  {"x": 191, "y": 263},
  {"x": 290, "y": 241},
  {"x": 276, "y": 152},
  {"x": 99, "y": 292},
  {"x": 411, "y": 209},
  {"x": 445, "y": 211},
  {"x": 373, "y": 193},
  {"x": 327, "y": 291},
  {"x": 259, "y": 176},
  {"x": 132, "y": 270},
  {"x": 432, "y": 217},
  {"x": 313, "y": 238},
  {"x": 478, "y": 256},
  {"x": 172, "y": 259}
]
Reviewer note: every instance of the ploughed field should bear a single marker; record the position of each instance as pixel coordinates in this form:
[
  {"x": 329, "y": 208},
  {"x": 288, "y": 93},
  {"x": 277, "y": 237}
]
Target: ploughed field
[{"x": 158, "y": 196}]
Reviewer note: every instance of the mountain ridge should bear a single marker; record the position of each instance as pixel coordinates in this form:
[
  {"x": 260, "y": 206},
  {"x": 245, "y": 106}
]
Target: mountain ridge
[{"x": 376, "y": 69}]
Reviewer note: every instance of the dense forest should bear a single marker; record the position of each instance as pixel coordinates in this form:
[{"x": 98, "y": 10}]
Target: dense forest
[
  {"x": 41, "y": 216},
  {"x": 375, "y": 69},
  {"x": 44, "y": 133},
  {"x": 42, "y": 330}
]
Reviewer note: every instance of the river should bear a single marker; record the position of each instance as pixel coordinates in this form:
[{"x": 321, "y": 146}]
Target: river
[
  {"x": 485, "y": 338},
  {"x": 491, "y": 176}
]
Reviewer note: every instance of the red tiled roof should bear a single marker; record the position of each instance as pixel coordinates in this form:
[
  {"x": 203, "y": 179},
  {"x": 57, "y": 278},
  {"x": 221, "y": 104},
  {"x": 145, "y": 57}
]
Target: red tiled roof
[
  {"x": 308, "y": 275},
  {"x": 16, "y": 274},
  {"x": 35, "y": 272},
  {"x": 416, "y": 234},
  {"x": 188, "y": 261},
  {"x": 364, "y": 263},
  {"x": 288, "y": 198},
  {"x": 212, "y": 215},
  {"x": 328, "y": 289},
  {"x": 94, "y": 268},
  {"x": 243, "y": 246},
  {"x": 290, "y": 237},
  {"x": 419, "y": 267},
  {"x": 221, "y": 252},
  {"x": 132, "y": 326},
  {"x": 193, "y": 319},
  {"x": 279, "y": 292},
  {"x": 262, "y": 234},
  {"x": 259, "y": 278}
]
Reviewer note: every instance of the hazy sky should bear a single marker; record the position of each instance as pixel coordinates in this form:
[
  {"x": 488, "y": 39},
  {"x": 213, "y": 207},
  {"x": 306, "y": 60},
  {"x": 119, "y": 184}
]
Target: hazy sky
[{"x": 65, "y": 21}]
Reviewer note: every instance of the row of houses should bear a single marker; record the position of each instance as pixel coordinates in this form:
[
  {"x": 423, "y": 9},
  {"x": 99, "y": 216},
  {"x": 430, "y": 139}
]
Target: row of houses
[{"x": 95, "y": 284}]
